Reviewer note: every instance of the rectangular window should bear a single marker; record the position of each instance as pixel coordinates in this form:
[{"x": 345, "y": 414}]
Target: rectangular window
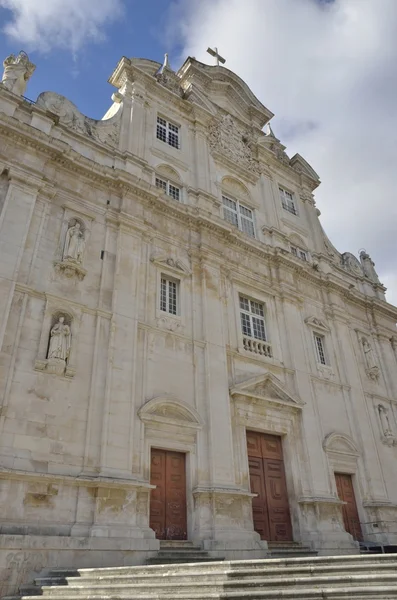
[
  {"x": 287, "y": 201},
  {"x": 167, "y": 132},
  {"x": 299, "y": 253},
  {"x": 252, "y": 315},
  {"x": 238, "y": 215},
  {"x": 168, "y": 188},
  {"x": 320, "y": 348},
  {"x": 169, "y": 295}
]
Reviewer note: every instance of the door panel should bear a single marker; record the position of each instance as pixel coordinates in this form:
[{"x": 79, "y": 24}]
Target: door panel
[
  {"x": 259, "y": 504},
  {"x": 270, "y": 508},
  {"x": 351, "y": 520},
  {"x": 168, "y": 499}
]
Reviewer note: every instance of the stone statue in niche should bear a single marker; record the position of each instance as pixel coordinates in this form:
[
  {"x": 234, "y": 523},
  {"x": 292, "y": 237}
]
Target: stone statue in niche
[
  {"x": 59, "y": 346},
  {"x": 384, "y": 421},
  {"x": 370, "y": 361},
  {"x": 17, "y": 72},
  {"x": 368, "y": 267},
  {"x": 74, "y": 244}
]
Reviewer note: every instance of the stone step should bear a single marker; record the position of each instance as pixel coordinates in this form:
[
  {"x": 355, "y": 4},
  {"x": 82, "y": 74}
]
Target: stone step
[
  {"x": 134, "y": 589},
  {"x": 379, "y": 592},
  {"x": 213, "y": 576},
  {"x": 349, "y": 560}
]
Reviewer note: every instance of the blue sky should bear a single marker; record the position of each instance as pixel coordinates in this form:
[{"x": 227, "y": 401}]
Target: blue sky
[
  {"x": 326, "y": 68},
  {"x": 82, "y": 76}
]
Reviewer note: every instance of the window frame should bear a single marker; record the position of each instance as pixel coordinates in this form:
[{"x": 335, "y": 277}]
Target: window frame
[
  {"x": 321, "y": 337},
  {"x": 251, "y": 316},
  {"x": 169, "y": 279},
  {"x": 298, "y": 253},
  {"x": 239, "y": 217},
  {"x": 293, "y": 209},
  {"x": 168, "y": 183},
  {"x": 169, "y": 132}
]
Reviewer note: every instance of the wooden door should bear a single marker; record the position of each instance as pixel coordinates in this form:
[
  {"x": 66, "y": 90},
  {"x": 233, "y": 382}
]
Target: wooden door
[
  {"x": 168, "y": 499},
  {"x": 271, "y": 514},
  {"x": 344, "y": 485}
]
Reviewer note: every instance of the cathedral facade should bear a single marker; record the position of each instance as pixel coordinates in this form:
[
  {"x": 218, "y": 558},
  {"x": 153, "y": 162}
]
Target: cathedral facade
[{"x": 184, "y": 353}]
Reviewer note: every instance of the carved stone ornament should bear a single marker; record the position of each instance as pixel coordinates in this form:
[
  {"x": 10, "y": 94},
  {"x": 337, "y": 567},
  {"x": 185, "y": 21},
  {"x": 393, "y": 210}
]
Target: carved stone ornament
[
  {"x": 174, "y": 264},
  {"x": 73, "y": 252},
  {"x": 169, "y": 323},
  {"x": 388, "y": 435},
  {"x": 372, "y": 368},
  {"x": 352, "y": 264},
  {"x": 168, "y": 78},
  {"x": 59, "y": 346},
  {"x": 231, "y": 141},
  {"x": 369, "y": 267},
  {"x": 106, "y": 131},
  {"x": 17, "y": 72}
]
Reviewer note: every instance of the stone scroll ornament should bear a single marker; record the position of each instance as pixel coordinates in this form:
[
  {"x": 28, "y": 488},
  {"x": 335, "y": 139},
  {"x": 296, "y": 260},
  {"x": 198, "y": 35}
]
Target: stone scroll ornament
[
  {"x": 17, "y": 71},
  {"x": 59, "y": 347}
]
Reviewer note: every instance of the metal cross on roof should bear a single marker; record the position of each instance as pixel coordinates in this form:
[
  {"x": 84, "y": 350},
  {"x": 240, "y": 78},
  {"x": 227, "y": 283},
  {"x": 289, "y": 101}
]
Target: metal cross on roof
[{"x": 219, "y": 58}]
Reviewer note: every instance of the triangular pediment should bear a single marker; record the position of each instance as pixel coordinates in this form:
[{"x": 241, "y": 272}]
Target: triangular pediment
[
  {"x": 171, "y": 264},
  {"x": 268, "y": 388},
  {"x": 169, "y": 410}
]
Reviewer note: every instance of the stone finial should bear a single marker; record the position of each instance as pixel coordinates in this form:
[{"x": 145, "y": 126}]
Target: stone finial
[
  {"x": 165, "y": 66},
  {"x": 17, "y": 71}
]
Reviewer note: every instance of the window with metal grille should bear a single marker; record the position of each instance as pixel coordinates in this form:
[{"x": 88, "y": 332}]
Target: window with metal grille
[
  {"x": 167, "y": 132},
  {"x": 169, "y": 295},
  {"x": 252, "y": 315},
  {"x": 169, "y": 188},
  {"x": 299, "y": 253},
  {"x": 320, "y": 348},
  {"x": 238, "y": 215},
  {"x": 287, "y": 201}
]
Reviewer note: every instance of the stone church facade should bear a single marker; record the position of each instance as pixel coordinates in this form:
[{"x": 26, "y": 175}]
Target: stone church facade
[{"x": 184, "y": 353}]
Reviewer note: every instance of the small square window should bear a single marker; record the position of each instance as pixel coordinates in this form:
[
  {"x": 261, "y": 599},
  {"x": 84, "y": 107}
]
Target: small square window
[
  {"x": 287, "y": 201},
  {"x": 167, "y": 132},
  {"x": 169, "y": 295}
]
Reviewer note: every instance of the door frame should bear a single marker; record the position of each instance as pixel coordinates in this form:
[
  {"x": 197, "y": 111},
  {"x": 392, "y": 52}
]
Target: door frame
[
  {"x": 344, "y": 457},
  {"x": 281, "y": 419},
  {"x": 176, "y": 431}
]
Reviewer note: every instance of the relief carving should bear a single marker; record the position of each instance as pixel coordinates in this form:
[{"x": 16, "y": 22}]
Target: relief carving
[
  {"x": 351, "y": 263},
  {"x": 106, "y": 130},
  {"x": 227, "y": 138}
]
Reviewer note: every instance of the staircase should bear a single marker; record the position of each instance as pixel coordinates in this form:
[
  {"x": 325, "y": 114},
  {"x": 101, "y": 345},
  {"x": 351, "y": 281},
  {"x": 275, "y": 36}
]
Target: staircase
[
  {"x": 177, "y": 552},
  {"x": 366, "y": 577},
  {"x": 289, "y": 550}
]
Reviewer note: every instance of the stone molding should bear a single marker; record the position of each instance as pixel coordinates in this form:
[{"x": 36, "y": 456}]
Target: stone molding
[
  {"x": 267, "y": 388},
  {"x": 171, "y": 411}
]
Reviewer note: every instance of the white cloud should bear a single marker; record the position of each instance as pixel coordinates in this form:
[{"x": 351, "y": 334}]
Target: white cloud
[
  {"x": 46, "y": 24},
  {"x": 328, "y": 72}
]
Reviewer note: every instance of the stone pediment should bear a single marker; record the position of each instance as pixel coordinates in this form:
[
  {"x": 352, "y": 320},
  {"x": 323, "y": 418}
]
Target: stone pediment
[
  {"x": 317, "y": 323},
  {"x": 300, "y": 165},
  {"x": 169, "y": 410},
  {"x": 224, "y": 89},
  {"x": 340, "y": 444},
  {"x": 171, "y": 264},
  {"x": 268, "y": 388}
]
